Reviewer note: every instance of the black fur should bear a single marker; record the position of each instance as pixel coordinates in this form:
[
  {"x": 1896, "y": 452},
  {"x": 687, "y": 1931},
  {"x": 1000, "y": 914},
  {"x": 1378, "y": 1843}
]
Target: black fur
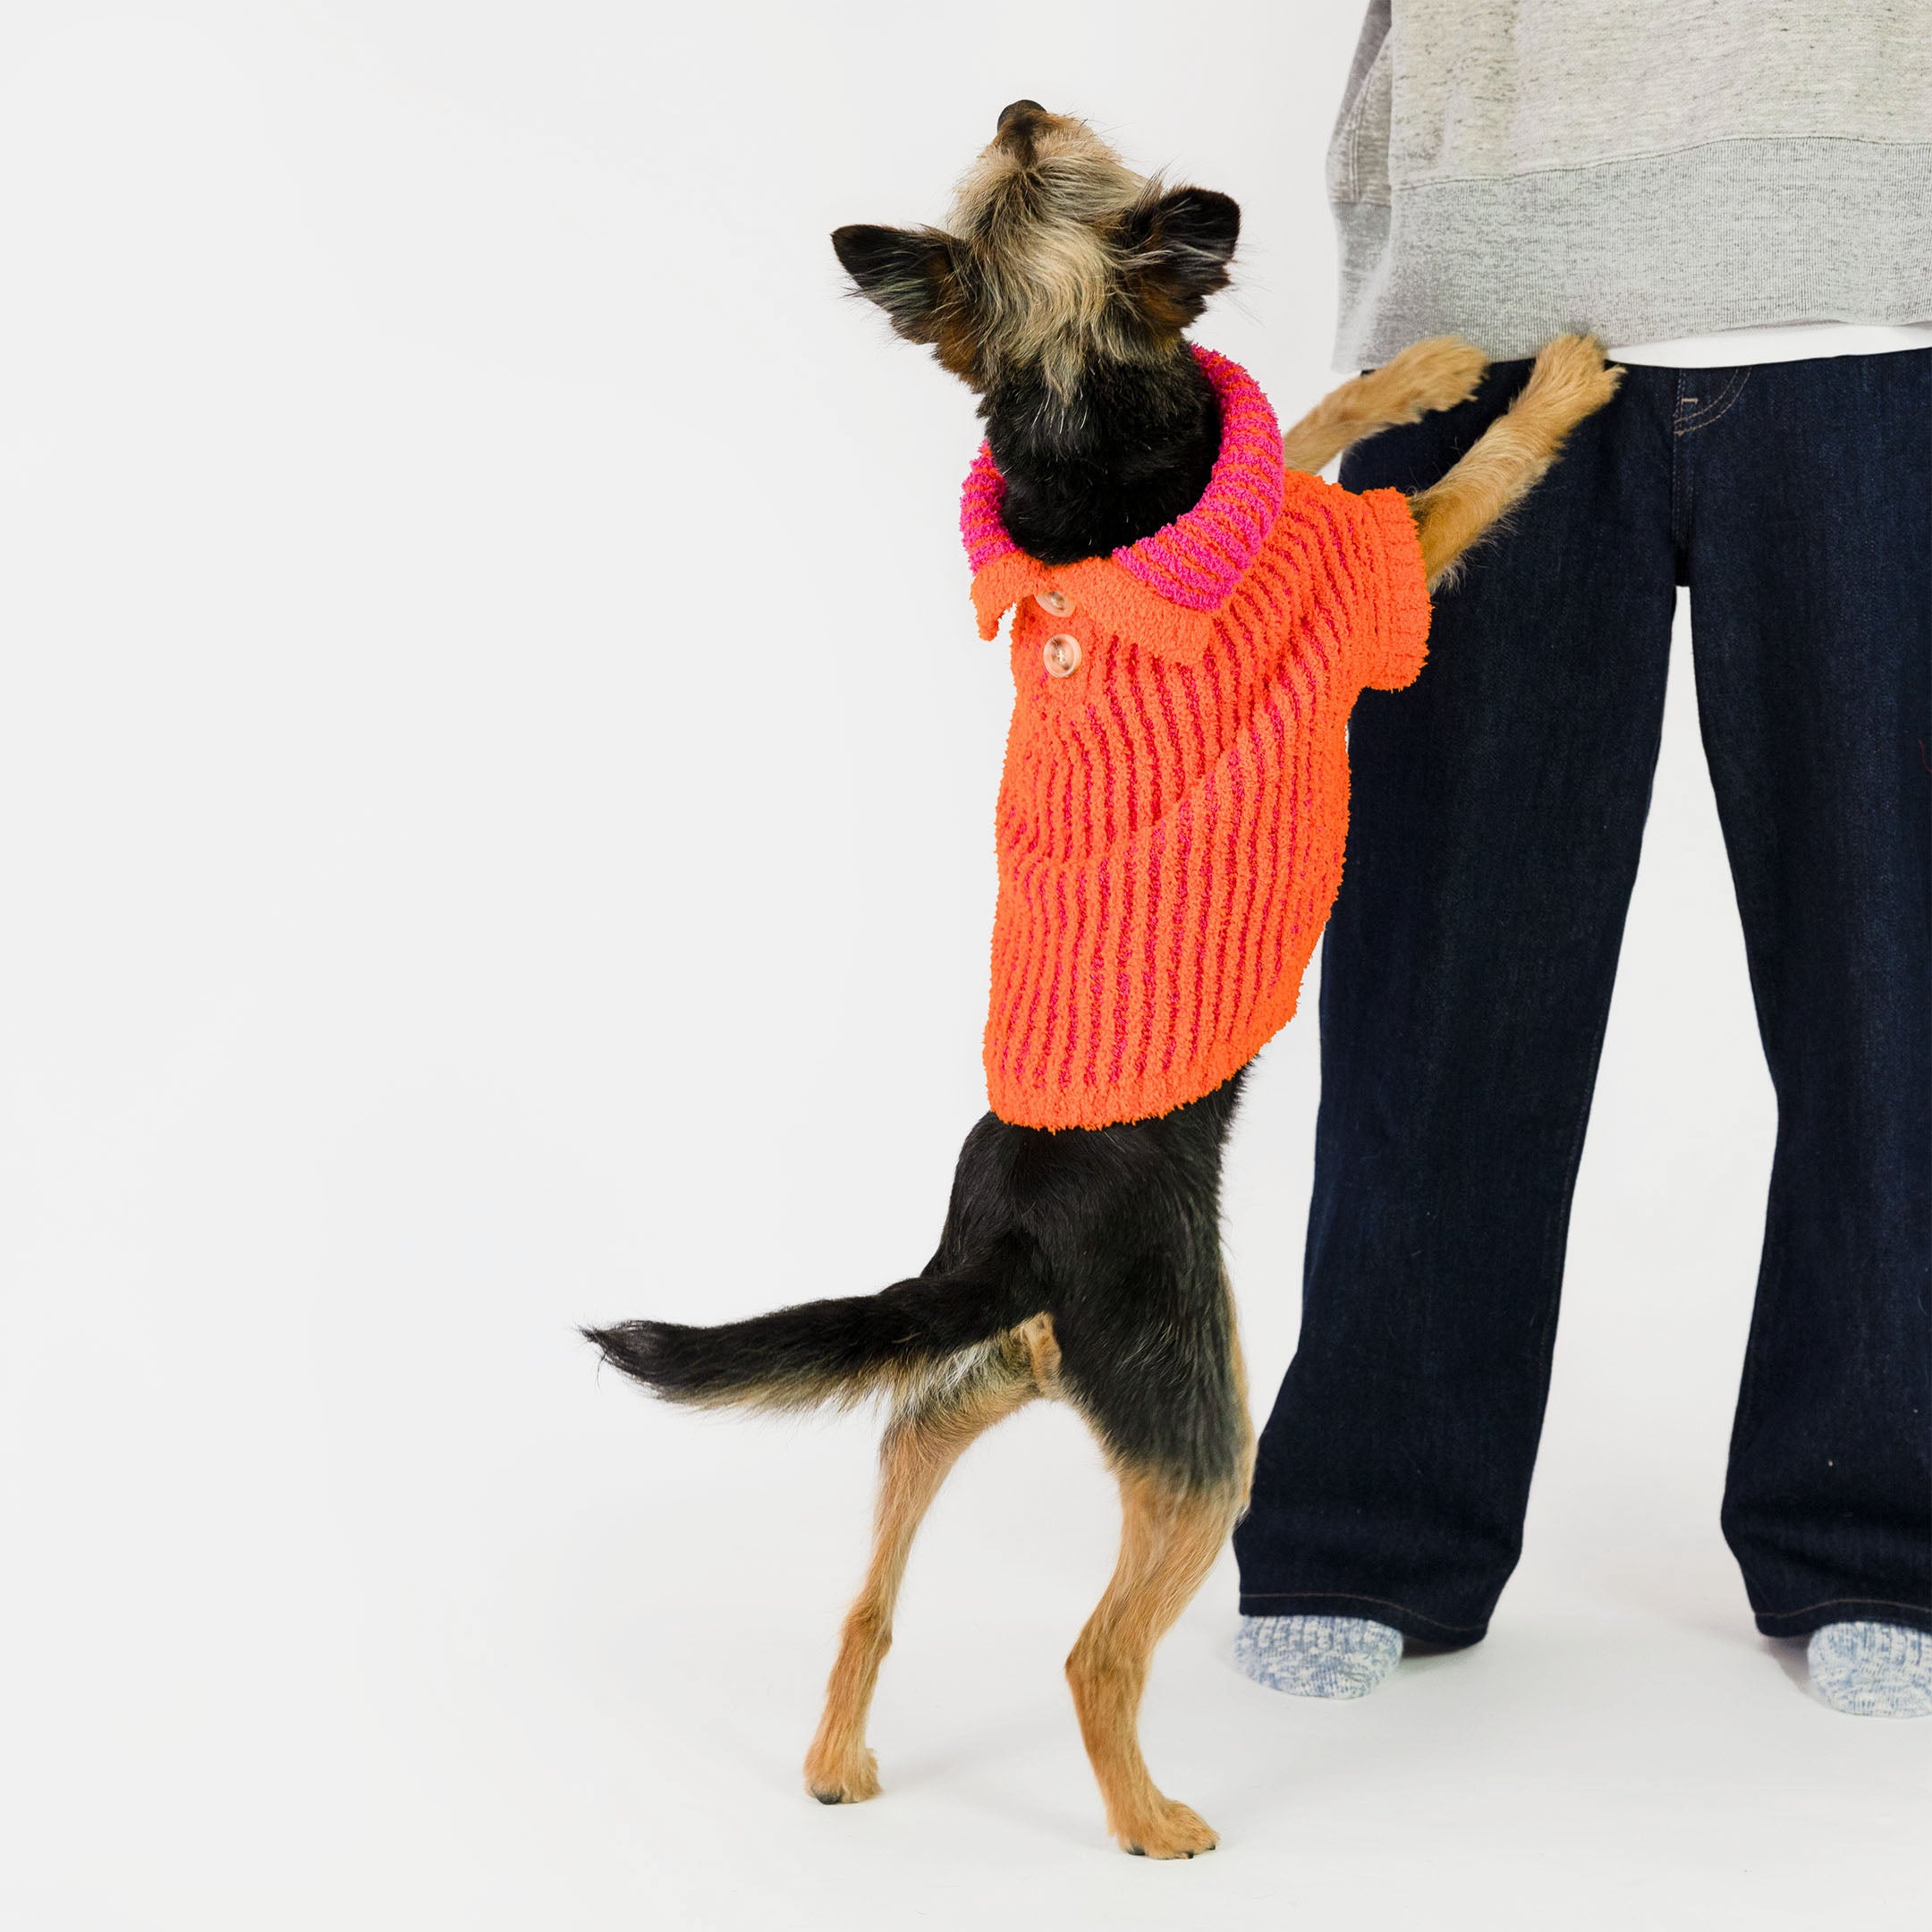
[
  {"x": 906, "y": 271},
  {"x": 1182, "y": 244},
  {"x": 1124, "y": 1227},
  {"x": 817, "y": 1352},
  {"x": 1112, "y": 1234},
  {"x": 1131, "y": 452}
]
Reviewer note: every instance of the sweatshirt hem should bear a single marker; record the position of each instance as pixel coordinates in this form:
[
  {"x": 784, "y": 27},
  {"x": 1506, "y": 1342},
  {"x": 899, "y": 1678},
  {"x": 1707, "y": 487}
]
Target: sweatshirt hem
[{"x": 1733, "y": 233}]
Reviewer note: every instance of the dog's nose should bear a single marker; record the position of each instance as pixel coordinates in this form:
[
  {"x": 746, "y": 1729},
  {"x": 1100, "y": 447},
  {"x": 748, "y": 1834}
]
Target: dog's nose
[{"x": 1014, "y": 113}]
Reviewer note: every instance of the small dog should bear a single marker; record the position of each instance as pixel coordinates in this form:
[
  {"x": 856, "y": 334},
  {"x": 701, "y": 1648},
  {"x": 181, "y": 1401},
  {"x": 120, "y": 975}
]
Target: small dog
[{"x": 1085, "y": 1263}]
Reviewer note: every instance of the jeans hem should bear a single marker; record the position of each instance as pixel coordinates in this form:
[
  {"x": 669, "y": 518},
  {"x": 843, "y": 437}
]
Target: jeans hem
[
  {"x": 1409, "y": 1621},
  {"x": 1842, "y": 1610}
]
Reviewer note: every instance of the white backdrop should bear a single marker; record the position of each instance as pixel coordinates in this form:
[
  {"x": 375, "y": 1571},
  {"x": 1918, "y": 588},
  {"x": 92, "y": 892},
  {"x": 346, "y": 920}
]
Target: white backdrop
[{"x": 496, "y": 776}]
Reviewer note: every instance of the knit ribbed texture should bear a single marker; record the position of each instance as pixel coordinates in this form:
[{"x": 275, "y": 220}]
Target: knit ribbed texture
[
  {"x": 1172, "y": 817},
  {"x": 1199, "y": 557},
  {"x": 1873, "y": 1669},
  {"x": 1317, "y": 1657}
]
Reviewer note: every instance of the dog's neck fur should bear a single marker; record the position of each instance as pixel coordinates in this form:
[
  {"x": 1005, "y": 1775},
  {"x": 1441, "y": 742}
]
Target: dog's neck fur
[{"x": 1130, "y": 452}]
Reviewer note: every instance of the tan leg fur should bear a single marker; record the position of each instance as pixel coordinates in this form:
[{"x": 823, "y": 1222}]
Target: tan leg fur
[
  {"x": 918, "y": 1452},
  {"x": 1570, "y": 380},
  {"x": 1170, "y": 1538},
  {"x": 1169, "y": 1541},
  {"x": 1433, "y": 374}
]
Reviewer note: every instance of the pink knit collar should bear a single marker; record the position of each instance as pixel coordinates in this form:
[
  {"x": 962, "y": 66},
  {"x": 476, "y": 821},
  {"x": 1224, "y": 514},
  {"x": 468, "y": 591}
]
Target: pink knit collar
[{"x": 1196, "y": 560}]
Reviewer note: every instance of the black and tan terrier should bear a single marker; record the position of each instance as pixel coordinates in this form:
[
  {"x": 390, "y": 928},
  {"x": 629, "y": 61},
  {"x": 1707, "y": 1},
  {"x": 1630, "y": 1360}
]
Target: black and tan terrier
[{"x": 1082, "y": 1264}]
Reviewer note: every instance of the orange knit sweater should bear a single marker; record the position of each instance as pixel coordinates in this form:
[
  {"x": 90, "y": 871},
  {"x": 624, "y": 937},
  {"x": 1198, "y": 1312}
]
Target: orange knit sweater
[{"x": 1175, "y": 797}]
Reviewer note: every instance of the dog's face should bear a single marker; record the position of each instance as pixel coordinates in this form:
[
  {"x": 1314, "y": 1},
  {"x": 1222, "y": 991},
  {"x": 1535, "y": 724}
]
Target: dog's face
[{"x": 1056, "y": 258}]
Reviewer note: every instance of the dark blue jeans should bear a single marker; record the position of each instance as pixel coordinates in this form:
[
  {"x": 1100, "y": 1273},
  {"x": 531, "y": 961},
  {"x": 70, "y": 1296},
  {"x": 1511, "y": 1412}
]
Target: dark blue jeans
[{"x": 1499, "y": 808}]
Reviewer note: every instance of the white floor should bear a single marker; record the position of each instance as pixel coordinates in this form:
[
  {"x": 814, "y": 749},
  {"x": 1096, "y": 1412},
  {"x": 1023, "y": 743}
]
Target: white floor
[
  {"x": 1623, "y": 1752},
  {"x": 568, "y": 1703}
]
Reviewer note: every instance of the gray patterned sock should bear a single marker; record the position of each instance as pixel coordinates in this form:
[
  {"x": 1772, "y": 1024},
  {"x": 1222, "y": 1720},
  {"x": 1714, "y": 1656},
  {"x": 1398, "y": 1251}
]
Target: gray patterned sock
[
  {"x": 1324, "y": 1657},
  {"x": 1873, "y": 1669}
]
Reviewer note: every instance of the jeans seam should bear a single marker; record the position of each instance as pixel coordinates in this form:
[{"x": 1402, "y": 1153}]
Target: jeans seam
[
  {"x": 1829, "y": 1603},
  {"x": 1743, "y": 1418},
  {"x": 1680, "y": 487},
  {"x": 1557, "y": 1239},
  {"x": 1389, "y": 1603},
  {"x": 1712, "y": 412}
]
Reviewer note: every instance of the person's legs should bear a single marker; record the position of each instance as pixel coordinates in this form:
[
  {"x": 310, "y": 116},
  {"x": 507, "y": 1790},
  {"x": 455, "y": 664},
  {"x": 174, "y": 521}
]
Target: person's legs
[
  {"x": 1805, "y": 515},
  {"x": 1497, "y": 813}
]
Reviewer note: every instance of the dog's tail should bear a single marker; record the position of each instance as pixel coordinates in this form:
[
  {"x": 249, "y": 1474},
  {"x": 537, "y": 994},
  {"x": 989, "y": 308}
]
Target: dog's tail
[{"x": 837, "y": 1351}]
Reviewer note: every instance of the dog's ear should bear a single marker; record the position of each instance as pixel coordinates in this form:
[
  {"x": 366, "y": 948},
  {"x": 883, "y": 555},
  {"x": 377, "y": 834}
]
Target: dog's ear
[
  {"x": 907, "y": 271},
  {"x": 1179, "y": 244}
]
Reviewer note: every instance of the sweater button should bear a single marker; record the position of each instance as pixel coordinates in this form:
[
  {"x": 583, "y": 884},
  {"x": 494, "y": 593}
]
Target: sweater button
[
  {"x": 1061, "y": 654},
  {"x": 1054, "y": 602}
]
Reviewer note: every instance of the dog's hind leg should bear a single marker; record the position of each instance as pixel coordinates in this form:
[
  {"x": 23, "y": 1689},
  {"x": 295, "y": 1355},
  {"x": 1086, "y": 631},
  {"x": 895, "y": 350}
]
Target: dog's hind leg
[
  {"x": 1158, "y": 1377},
  {"x": 923, "y": 1443},
  {"x": 1170, "y": 1537}
]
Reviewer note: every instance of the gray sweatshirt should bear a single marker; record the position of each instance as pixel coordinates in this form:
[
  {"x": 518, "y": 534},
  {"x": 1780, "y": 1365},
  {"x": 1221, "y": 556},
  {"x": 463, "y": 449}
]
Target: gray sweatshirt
[{"x": 1508, "y": 169}]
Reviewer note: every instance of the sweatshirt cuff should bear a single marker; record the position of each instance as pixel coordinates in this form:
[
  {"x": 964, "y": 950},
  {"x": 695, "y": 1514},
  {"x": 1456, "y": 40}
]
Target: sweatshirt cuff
[{"x": 1398, "y": 633}]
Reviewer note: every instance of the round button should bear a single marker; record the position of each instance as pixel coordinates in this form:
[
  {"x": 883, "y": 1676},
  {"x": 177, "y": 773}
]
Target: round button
[
  {"x": 1054, "y": 602},
  {"x": 1061, "y": 654}
]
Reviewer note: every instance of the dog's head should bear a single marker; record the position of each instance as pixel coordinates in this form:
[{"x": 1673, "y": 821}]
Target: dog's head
[{"x": 1057, "y": 258}]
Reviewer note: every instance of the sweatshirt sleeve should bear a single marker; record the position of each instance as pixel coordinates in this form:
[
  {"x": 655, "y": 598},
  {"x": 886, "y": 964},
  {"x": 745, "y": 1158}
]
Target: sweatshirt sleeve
[{"x": 1394, "y": 614}]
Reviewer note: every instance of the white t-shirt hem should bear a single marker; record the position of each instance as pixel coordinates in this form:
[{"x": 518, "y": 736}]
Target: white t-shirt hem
[{"x": 1796, "y": 342}]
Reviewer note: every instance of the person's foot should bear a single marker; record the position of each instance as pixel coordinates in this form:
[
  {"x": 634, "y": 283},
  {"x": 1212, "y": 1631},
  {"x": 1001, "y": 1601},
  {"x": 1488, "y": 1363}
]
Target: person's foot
[
  {"x": 1325, "y": 1657},
  {"x": 1873, "y": 1669}
]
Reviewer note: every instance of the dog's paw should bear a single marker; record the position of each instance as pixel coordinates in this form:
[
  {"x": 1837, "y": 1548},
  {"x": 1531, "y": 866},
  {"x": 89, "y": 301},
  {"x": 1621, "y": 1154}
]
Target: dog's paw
[
  {"x": 1570, "y": 380},
  {"x": 1436, "y": 375},
  {"x": 842, "y": 1778},
  {"x": 1169, "y": 1831}
]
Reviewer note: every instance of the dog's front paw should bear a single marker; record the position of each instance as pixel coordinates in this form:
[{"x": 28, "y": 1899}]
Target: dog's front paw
[
  {"x": 1168, "y": 1831},
  {"x": 1436, "y": 374},
  {"x": 1570, "y": 380},
  {"x": 842, "y": 1777}
]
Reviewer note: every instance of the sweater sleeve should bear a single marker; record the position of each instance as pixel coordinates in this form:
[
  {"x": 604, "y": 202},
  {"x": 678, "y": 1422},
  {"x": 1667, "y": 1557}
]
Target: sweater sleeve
[{"x": 1395, "y": 617}]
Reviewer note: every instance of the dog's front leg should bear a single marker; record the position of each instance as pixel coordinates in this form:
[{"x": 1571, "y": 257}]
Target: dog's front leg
[
  {"x": 1433, "y": 374},
  {"x": 1570, "y": 381}
]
